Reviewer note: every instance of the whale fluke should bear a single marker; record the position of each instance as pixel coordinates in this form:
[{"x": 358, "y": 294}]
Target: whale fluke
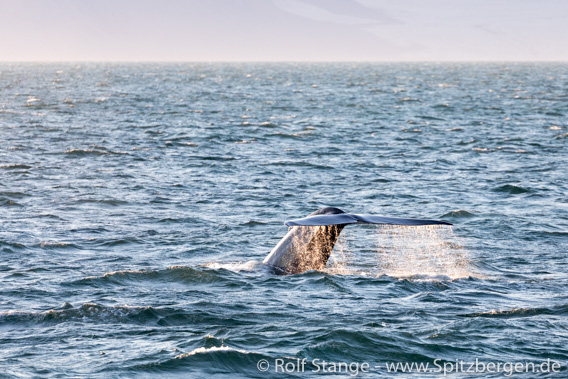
[
  {"x": 348, "y": 218},
  {"x": 310, "y": 241}
]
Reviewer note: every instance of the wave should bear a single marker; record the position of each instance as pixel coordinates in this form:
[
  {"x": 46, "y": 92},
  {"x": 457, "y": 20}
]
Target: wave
[
  {"x": 298, "y": 164},
  {"x": 6, "y": 246},
  {"x": 120, "y": 314},
  {"x": 57, "y": 245},
  {"x": 91, "y": 152},
  {"x": 113, "y": 202},
  {"x": 560, "y": 233},
  {"x": 236, "y": 267},
  {"x": 15, "y": 166},
  {"x": 183, "y": 220},
  {"x": 208, "y": 350},
  {"x": 84, "y": 152},
  {"x": 460, "y": 213},
  {"x": 9, "y": 203},
  {"x": 561, "y": 310},
  {"x": 85, "y": 313},
  {"x": 213, "y": 360},
  {"x": 511, "y": 189},
  {"x": 183, "y": 274},
  {"x": 253, "y": 223},
  {"x": 15, "y": 195}
]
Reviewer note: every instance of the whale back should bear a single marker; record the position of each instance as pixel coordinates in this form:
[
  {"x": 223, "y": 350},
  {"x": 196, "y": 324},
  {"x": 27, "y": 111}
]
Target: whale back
[{"x": 306, "y": 247}]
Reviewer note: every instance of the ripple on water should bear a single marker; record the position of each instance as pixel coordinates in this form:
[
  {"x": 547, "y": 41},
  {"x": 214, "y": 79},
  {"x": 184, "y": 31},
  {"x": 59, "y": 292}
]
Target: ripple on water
[
  {"x": 15, "y": 167},
  {"x": 208, "y": 360},
  {"x": 116, "y": 314},
  {"x": 179, "y": 274},
  {"x": 460, "y": 213}
]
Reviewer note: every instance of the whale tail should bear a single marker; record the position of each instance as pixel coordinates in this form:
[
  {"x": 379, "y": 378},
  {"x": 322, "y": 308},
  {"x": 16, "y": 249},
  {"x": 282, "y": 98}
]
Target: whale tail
[
  {"x": 310, "y": 241},
  {"x": 347, "y": 218}
]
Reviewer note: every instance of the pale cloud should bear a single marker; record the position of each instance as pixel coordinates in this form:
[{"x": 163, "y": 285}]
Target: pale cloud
[
  {"x": 348, "y": 12},
  {"x": 476, "y": 30},
  {"x": 278, "y": 30}
]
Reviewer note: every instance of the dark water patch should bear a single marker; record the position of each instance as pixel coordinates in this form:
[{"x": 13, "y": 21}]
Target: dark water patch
[
  {"x": 431, "y": 118},
  {"x": 11, "y": 246},
  {"x": 220, "y": 361},
  {"x": 561, "y": 310},
  {"x": 298, "y": 164},
  {"x": 89, "y": 313},
  {"x": 443, "y": 106},
  {"x": 458, "y": 214},
  {"x": 559, "y": 233},
  {"x": 97, "y": 230},
  {"x": 15, "y": 167},
  {"x": 49, "y": 216},
  {"x": 183, "y": 220},
  {"x": 212, "y": 158},
  {"x": 111, "y": 202},
  {"x": 9, "y": 203},
  {"x": 282, "y": 135},
  {"x": 113, "y": 242},
  {"x": 253, "y": 223},
  {"x": 347, "y": 344},
  {"x": 174, "y": 274},
  {"x": 419, "y": 283},
  {"x": 511, "y": 189},
  {"x": 372, "y": 281},
  {"x": 160, "y": 200},
  {"x": 315, "y": 279},
  {"x": 83, "y": 153}
]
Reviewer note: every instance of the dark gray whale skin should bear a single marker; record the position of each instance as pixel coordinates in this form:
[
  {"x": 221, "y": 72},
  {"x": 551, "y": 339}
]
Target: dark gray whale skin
[{"x": 310, "y": 241}]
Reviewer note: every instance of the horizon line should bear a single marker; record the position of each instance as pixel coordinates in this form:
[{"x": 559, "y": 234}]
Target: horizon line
[{"x": 286, "y": 61}]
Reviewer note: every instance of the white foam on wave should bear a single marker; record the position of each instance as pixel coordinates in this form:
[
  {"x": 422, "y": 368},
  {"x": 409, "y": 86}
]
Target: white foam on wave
[
  {"x": 32, "y": 99},
  {"x": 207, "y": 350},
  {"x": 122, "y": 272},
  {"x": 15, "y": 313},
  {"x": 235, "y": 266}
]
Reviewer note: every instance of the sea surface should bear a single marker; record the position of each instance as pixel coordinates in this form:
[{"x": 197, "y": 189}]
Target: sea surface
[{"x": 138, "y": 201}]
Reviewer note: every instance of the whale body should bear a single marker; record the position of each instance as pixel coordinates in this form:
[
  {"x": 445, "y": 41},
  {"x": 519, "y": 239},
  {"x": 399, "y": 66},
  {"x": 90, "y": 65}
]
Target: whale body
[{"x": 310, "y": 240}]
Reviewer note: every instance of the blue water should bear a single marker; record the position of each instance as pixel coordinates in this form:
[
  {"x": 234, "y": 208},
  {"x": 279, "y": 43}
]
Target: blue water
[{"x": 138, "y": 201}]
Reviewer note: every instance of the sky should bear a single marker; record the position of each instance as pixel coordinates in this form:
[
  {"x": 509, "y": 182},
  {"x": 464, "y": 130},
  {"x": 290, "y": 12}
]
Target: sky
[{"x": 284, "y": 30}]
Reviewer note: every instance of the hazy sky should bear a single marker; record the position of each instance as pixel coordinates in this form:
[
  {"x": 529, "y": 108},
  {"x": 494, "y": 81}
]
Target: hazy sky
[{"x": 283, "y": 30}]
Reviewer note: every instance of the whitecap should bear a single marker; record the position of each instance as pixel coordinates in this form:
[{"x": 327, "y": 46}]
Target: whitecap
[
  {"x": 235, "y": 266},
  {"x": 206, "y": 350}
]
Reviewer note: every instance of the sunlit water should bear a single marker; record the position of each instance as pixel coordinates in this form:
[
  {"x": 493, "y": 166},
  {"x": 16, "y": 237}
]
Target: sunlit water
[{"x": 138, "y": 202}]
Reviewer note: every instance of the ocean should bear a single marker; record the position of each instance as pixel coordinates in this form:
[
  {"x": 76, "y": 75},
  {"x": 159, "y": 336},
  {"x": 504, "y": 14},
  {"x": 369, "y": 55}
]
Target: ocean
[{"x": 138, "y": 201}]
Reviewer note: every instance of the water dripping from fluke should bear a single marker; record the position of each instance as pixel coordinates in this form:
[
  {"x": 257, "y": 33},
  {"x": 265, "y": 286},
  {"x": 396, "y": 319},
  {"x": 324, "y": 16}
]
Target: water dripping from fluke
[{"x": 421, "y": 253}]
